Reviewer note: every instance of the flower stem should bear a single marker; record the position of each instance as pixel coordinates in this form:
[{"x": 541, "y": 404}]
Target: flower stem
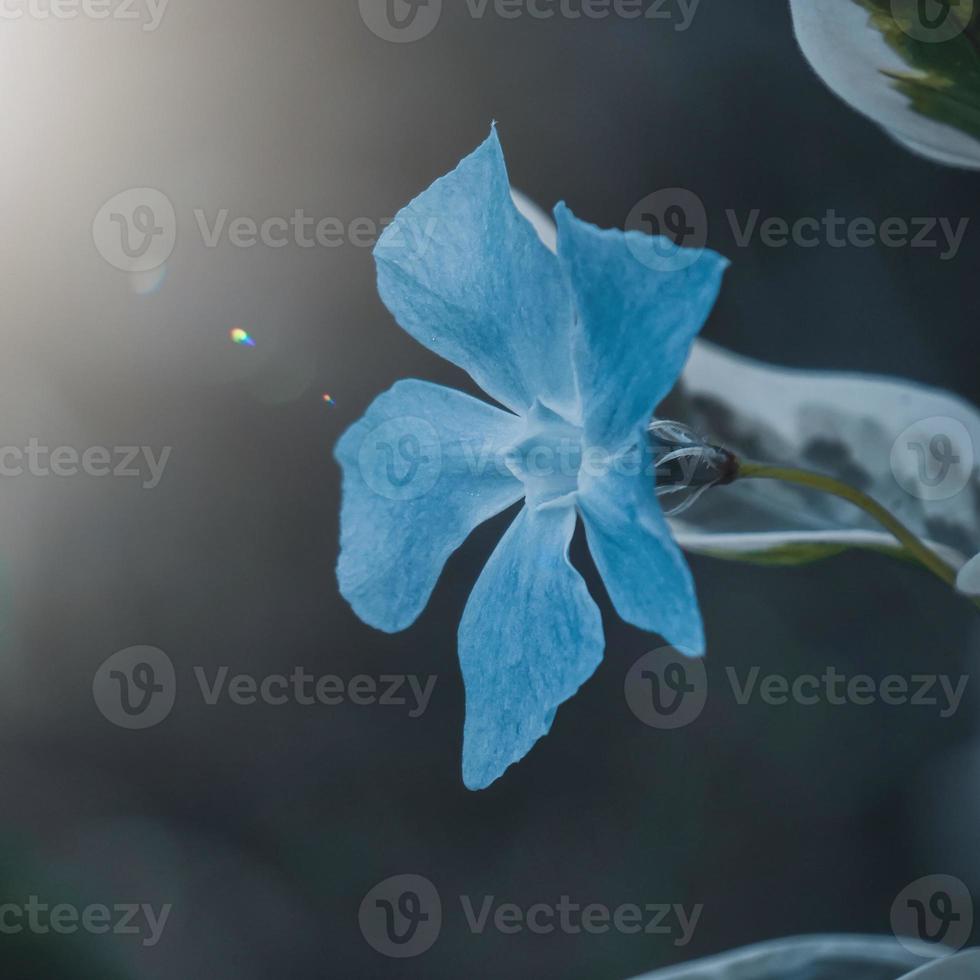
[{"x": 748, "y": 470}]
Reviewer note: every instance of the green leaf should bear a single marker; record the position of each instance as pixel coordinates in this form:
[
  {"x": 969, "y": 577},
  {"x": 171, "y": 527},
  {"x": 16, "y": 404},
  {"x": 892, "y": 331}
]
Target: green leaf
[{"x": 943, "y": 82}]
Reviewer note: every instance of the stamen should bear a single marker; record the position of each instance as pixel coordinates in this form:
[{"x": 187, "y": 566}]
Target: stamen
[
  {"x": 694, "y": 452},
  {"x": 686, "y": 463},
  {"x": 685, "y": 505}
]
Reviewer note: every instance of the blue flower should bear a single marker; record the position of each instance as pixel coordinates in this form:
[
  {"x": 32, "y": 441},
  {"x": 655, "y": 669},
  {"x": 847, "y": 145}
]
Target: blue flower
[{"x": 580, "y": 347}]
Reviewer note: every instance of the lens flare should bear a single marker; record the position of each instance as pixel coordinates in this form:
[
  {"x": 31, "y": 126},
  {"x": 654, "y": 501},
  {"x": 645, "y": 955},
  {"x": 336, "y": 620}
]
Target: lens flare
[
  {"x": 241, "y": 337},
  {"x": 328, "y": 400}
]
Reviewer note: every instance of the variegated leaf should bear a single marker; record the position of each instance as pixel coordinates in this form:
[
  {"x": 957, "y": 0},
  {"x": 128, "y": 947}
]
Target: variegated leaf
[
  {"x": 912, "y": 448},
  {"x": 821, "y": 958},
  {"x": 913, "y": 66}
]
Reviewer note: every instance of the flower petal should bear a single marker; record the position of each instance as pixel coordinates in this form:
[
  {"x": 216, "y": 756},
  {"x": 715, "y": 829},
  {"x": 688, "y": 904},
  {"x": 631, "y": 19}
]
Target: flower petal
[
  {"x": 422, "y": 469},
  {"x": 530, "y": 637},
  {"x": 641, "y": 301},
  {"x": 644, "y": 571},
  {"x": 841, "y": 423},
  {"x": 914, "y": 449},
  {"x": 465, "y": 274}
]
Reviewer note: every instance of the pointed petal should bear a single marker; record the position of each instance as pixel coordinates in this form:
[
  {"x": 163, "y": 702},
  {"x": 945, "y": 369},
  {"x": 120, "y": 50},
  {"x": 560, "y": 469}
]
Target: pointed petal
[
  {"x": 639, "y": 316},
  {"x": 422, "y": 469},
  {"x": 530, "y": 637},
  {"x": 643, "y": 569},
  {"x": 465, "y": 274}
]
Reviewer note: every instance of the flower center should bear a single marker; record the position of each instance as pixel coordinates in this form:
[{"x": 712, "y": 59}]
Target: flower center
[{"x": 548, "y": 458}]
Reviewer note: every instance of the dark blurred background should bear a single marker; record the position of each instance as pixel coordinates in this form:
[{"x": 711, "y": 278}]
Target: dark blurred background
[{"x": 265, "y": 826}]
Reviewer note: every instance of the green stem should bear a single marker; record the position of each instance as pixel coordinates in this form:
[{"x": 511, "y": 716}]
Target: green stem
[{"x": 816, "y": 481}]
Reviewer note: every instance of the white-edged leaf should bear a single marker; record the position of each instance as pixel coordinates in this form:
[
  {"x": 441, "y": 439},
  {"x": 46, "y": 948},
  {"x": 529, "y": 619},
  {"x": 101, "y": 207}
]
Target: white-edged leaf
[
  {"x": 912, "y": 448},
  {"x": 968, "y": 581},
  {"x": 964, "y": 966},
  {"x": 811, "y": 958},
  {"x": 853, "y": 57}
]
